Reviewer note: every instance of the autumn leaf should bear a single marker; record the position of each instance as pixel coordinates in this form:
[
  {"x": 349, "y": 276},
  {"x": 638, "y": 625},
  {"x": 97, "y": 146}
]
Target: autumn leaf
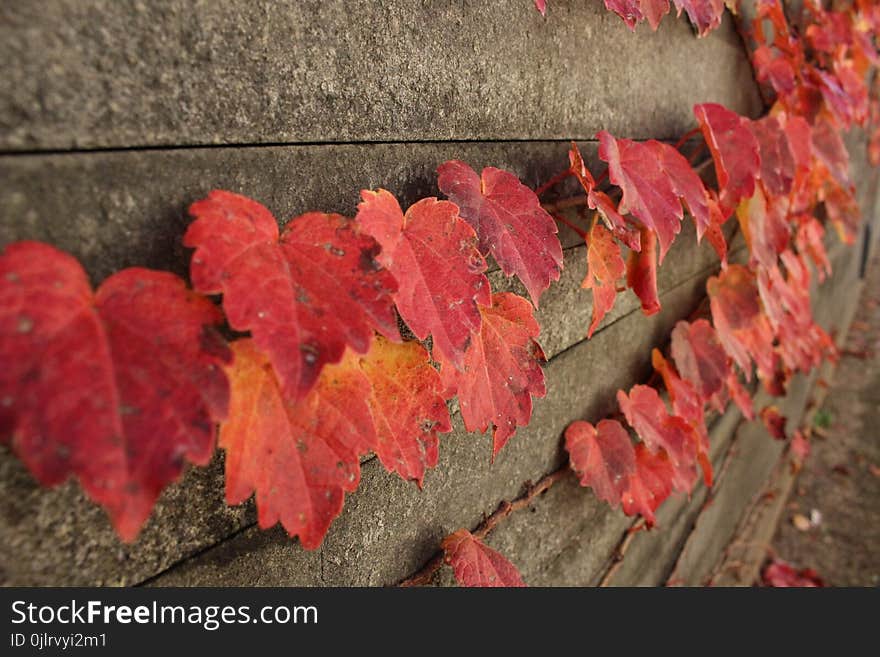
[
  {"x": 432, "y": 252},
  {"x": 509, "y": 221},
  {"x": 601, "y": 202},
  {"x": 408, "y": 406},
  {"x": 604, "y": 267},
  {"x": 648, "y": 192},
  {"x": 844, "y": 213},
  {"x": 476, "y": 564},
  {"x": 831, "y": 151},
  {"x": 647, "y": 414},
  {"x": 602, "y": 456},
  {"x": 634, "y": 11},
  {"x": 704, "y": 14},
  {"x": 763, "y": 221},
  {"x": 686, "y": 184},
  {"x": 781, "y": 574},
  {"x": 688, "y": 405},
  {"x": 650, "y": 485},
  {"x": 501, "y": 372},
  {"x": 734, "y": 149},
  {"x": 304, "y": 295},
  {"x": 641, "y": 273},
  {"x": 299, "y": 457},
  {"x": 120, "y": 387},
  {"x": 777, "y": 160},
  {"x": 701, "y": 360},
  {"x": 739, "y": 319},
  {"x": 810, "y": 241}
]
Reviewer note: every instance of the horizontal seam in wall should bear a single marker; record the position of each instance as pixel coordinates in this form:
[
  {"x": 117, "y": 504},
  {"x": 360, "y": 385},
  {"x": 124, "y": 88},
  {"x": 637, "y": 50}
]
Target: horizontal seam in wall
[{"x": 269, "y": 144}]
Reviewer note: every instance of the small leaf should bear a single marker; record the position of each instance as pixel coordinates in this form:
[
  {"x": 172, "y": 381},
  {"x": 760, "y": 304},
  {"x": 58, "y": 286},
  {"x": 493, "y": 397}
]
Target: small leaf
[
  {"x": 650, "y": 485},
  {"x": 701, "y": 360},
  {"x": 407, "y": 405},
  {"x": 475, "y": 564},
  {"x": 501, "y": 371},
  {"x": 641, "y": 273},
  {"x": 605, "y": 267},
  {"x": 432, "y": 253},
  {"x": 298, "y": 457},
  {"x": 509, "y": 221},
  {"x": 602, "y": 456}
]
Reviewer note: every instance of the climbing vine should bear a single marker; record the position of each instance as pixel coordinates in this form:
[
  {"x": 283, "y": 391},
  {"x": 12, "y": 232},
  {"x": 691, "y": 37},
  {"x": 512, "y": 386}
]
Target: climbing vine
[{"x": 123, "y": 385}]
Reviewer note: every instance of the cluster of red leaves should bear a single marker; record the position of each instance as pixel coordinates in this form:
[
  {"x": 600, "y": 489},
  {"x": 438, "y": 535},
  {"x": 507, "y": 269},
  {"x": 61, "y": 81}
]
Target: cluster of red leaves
[
  {"x": 704, "y": 14},
  {"x": 122, "y": 386},
  {"x": 776, "y": 174}
]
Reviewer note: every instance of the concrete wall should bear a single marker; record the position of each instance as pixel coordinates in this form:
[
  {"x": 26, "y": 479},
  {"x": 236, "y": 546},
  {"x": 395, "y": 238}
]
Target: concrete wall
[{"x": 114, "y": 116}]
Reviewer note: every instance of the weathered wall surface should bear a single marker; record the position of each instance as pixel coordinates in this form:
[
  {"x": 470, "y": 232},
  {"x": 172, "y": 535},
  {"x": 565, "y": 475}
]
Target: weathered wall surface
[{"x": 114, "y": 116}]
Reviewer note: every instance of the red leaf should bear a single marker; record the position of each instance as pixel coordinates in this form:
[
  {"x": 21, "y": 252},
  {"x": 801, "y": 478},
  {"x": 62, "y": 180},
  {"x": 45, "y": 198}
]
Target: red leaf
[
  {"x": 299, "y": 457},
  {"x": 701, "y": 360},
  {"x": 650, "y": 485},
  {"x": 633, "y": 11},
  {"x": 830, "y": 150},
  {"x": 648, "y": 191},
  {"x": 734, "y": 150},
  {"x": 303, "y": 295},
  {"x": 120, "y": 387},
  {"x": 604, "y": 267},
  {"x": 432, "y": 253},
  {"x": 601, "y": 202},
  {"x": 641, "y": 273},
  {"x": 541, "y": 5},
  {"x": 501, "y": 371},
  {"x": 475, "y": 564},
  {"x": 685, "y": 183},
  {"x": 780, "y": 574},
  {"x": 777, "y": 160},
  {"x": 740, "y": 321},
  {"x": 408, "y": 407},
  {"x": 647, "y": 414},
  {"x": 714, "y": 233},
  {"x": 602, "y": 456},
  {"x": 509, "y": 221},
  {"x": 704, "y": 14},
  {"x": 775, "y": 69},
  {"x": 688, "y": 405},
  {"x": 764, "y": 226},
  {"x": 844, "y": 213},
  {"x": 800, "y": 446},
  {"x": 810, "y": 241},
  {"x": 774, "y": 422}
]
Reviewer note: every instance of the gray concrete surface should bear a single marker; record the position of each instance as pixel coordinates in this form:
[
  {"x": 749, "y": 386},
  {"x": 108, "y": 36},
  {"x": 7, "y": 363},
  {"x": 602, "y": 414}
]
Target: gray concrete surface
[{"x": 120, "y": 73}]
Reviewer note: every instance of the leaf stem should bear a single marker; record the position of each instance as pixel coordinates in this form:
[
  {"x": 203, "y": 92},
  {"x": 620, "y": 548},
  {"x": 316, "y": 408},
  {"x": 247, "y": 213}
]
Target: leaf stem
[{"x": 555, "y": 180}]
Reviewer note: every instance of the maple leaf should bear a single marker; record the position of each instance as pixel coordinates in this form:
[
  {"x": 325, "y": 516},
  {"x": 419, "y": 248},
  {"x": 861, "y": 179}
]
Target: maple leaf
[
  {"x": 777, "y": 160},
  {"x": 685, "y": 182},
  {"x": 688, "y": 405},
  {"x": 602, "y": 456},
  {"x": 742, "y": 327},
  {"x": 830, "y": 151},
  {"x": 648, "y": 191},
  {"x": 432, "y": 253},
  {"x": 509, "y": 221},
  {"x": 704, "y": 14},
  {"x": 501, "y": 371},
  {"x": 647, "y": 414},
  {"x": 408, "y": 406},
  {"x": 604, "y": 267},
  {"x": 734, "y": 149},
  {"x": 650, "y": 485},
  {"x": 304, "y": 295},
  {"x": 641, "y": 273},
  {"x": 601, "y": 202},
  {"x": 119, "y": 387},
  {"x": 299, "y": 457},
  {"x": 701, "y": 360},
  {"x": 476, "y": 564},
  {"x": 763, "y": 221}
]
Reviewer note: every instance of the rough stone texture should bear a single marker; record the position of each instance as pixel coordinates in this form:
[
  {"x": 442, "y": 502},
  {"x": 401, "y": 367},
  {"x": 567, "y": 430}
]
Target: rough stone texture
[{"x": 96, "y": 74}]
